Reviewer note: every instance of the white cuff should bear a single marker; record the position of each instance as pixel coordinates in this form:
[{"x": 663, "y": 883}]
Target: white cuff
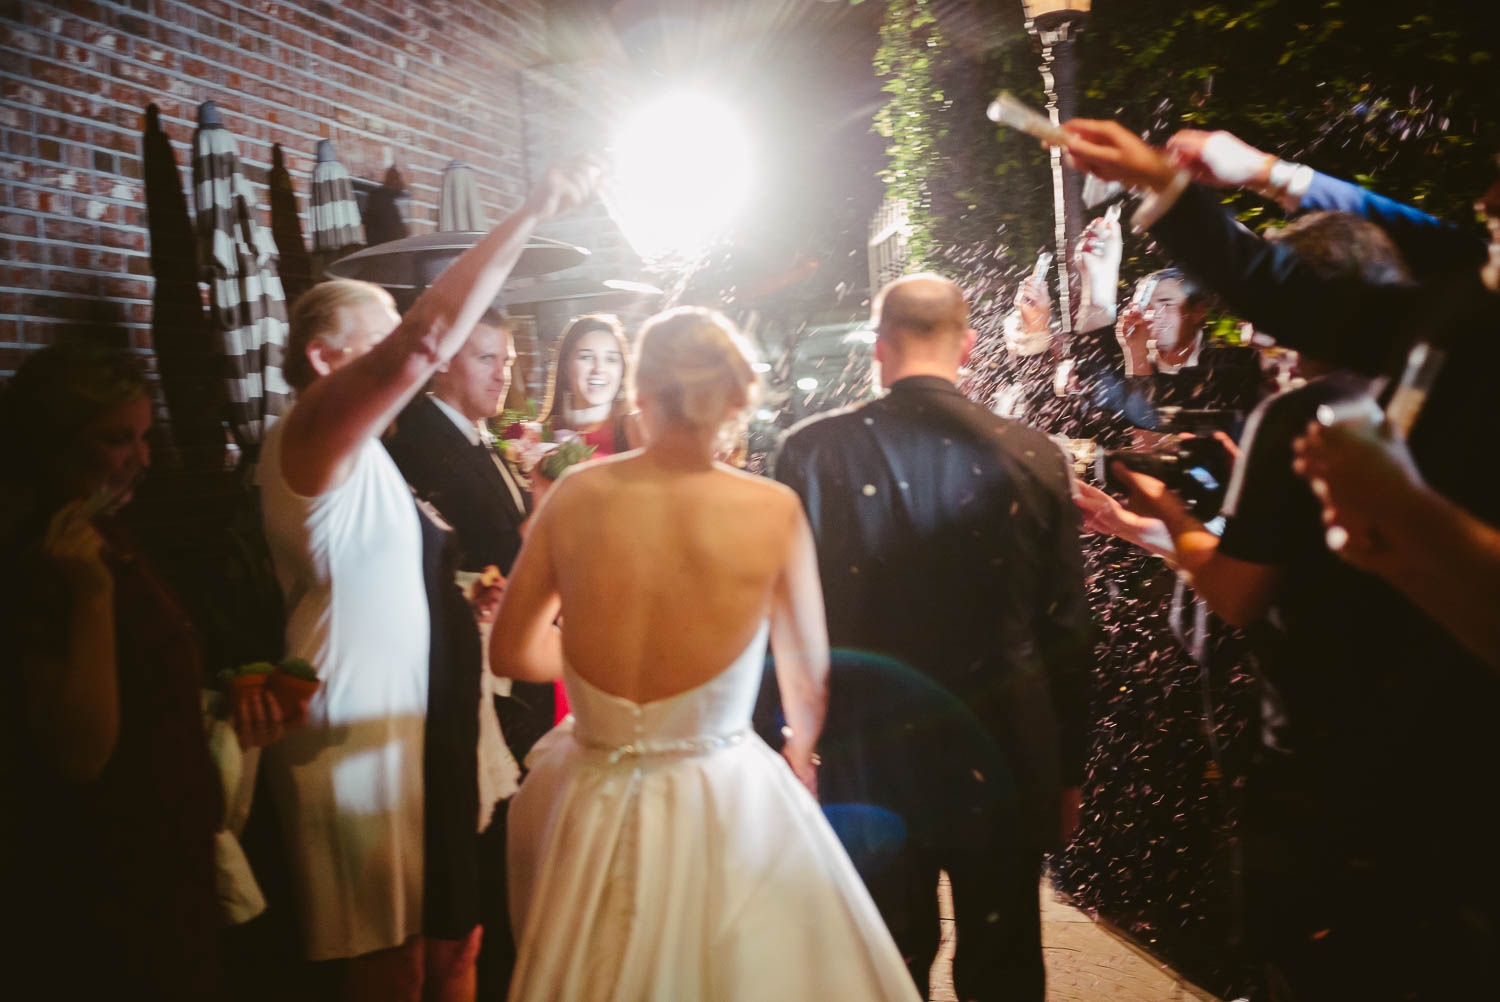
[{"x": 1157, "y": 203}]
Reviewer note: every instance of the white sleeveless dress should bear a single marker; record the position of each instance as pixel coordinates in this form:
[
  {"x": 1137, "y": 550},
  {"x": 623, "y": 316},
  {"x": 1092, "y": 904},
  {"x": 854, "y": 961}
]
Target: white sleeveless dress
[{"x": 662, "y": 851}]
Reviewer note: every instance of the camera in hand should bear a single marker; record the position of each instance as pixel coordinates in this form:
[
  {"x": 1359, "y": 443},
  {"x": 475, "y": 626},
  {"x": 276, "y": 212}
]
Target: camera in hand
[{"x": 1195, "y": 466}]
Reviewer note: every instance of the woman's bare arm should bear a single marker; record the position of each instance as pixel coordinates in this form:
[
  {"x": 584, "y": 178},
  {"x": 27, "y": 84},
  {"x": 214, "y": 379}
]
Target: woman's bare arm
[
  {"x": 799, "y": 639},
  {"x": 338, "y": 412},
  {"x": 524, "y": 644}
]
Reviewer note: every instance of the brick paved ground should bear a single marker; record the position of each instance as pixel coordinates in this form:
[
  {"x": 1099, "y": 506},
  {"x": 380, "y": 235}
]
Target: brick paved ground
[{"x": 1086, "y": 962}]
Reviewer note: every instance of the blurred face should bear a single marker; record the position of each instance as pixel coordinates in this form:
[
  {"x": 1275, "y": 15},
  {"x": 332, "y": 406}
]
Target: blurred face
[
  {"x": 362, "y": 326},
  {"x": 1171, "y": 321},
  {"x": 595, "y": 369},
  {"x": 112, "y": 453},
  {"x": 475, "y": 380}
]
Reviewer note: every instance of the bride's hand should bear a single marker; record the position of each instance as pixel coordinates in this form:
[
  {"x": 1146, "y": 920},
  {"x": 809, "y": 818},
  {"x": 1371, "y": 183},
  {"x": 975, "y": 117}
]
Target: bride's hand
[{"x": 804, "y": 763}]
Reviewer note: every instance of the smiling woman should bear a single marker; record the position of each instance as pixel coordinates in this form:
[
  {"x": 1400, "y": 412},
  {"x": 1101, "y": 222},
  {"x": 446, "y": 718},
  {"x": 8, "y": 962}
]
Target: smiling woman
[{"x": 586, "y": 388}]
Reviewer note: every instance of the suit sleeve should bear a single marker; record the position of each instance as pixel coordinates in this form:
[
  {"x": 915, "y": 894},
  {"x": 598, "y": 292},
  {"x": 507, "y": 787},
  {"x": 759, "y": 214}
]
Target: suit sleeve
[
  {"x": 417, "y": 465},
  {"x": 1431, "y": 246},
  {"x": 1338, "y": 321},
  {"x": 1066, "y": 638}
]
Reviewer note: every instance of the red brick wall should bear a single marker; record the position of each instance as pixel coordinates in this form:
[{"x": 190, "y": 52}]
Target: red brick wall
[{"x": 389, "y": 81}]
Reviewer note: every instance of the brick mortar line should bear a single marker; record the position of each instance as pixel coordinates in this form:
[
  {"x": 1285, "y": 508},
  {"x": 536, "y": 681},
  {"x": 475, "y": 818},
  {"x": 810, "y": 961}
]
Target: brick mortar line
[
  {"x": 232, "y": 48},
  {"x": 76, "y": 271},
  {"x": 179, "y": 75},
  {"x": 152, "y": 17}
]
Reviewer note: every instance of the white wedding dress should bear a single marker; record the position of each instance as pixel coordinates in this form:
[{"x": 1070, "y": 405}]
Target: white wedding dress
[{"x": 662, "y": 851}]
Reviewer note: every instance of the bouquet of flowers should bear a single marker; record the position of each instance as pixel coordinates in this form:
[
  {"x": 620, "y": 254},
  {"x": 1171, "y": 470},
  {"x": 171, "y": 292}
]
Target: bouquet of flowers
[{"x": 532, "y": 446}]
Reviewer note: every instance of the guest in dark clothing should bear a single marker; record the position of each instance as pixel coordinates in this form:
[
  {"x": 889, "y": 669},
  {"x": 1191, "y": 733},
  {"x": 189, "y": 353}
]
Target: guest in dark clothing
[
  {"x": 1271, "y": 573},
  {"x": 947, "y": 540},
  {"x": 1167, "y": 360},
  {"x": 108, "y": 848},
  {"x": 1406, "y": 714},
  {"x": 441, "y": 446}
]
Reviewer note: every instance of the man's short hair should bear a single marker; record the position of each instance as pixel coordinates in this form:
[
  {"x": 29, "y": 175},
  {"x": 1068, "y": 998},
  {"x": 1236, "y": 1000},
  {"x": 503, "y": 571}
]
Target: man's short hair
[
  {"x": 1192, "y": 291},
  {"x": 920, "y": 317},
  {"x": 494, "y": 316},
  {"x": 1341, "y": 245}
]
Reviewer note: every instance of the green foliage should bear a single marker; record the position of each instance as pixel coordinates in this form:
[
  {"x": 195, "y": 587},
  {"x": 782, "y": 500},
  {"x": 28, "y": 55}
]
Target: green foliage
[
  {"x": 1399, "y": 103},
  {"x": 569, "y": 453},
  {"x": 973, "y": 189},
  {"x": 298, "y": 668}
]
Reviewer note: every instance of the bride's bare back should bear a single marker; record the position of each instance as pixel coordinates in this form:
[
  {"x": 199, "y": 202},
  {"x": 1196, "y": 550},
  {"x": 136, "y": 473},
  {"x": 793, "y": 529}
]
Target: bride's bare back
[{"x": 664, "y": 575}]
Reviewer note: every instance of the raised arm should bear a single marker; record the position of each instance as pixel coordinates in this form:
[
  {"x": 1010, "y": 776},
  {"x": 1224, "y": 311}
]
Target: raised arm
[
  {"x": 1343, "y": 322},
  {"x": 342, "y": 409},
  {"x": 525, "y": 644},
  {"x": 799, "y": 640},
  {"x": 1222, "y": 160}
]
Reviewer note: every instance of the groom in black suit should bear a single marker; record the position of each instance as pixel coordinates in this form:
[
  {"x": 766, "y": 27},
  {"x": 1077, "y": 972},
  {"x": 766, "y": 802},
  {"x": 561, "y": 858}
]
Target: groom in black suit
[
  {"x": 948, "y": 543},
  {"x": 443, "y": 449}
]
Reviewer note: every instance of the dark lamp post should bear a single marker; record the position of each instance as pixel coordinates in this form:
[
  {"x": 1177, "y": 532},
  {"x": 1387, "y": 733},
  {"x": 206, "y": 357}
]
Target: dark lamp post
[{"x": 1057, "y": 24}]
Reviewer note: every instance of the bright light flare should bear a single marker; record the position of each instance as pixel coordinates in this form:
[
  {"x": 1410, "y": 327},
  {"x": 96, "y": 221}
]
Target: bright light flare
[{"x": 679, "y": 177}]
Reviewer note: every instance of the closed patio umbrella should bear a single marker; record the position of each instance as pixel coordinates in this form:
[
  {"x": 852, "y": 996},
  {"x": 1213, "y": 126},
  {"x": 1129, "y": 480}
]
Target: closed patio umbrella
[{"x": 248, "y": 306}]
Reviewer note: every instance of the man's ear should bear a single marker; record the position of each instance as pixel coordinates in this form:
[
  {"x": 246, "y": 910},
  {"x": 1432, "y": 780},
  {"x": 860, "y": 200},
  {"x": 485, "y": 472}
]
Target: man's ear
[
  {"x": 967, "y": 347},
  {"x": 322, "y": 356}
]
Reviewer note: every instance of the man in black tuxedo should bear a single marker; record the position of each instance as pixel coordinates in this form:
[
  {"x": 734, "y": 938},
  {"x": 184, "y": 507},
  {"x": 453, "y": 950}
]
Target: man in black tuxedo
[
  {"x": 443, "y": 449},
  {"x": 948, "y": 541}
]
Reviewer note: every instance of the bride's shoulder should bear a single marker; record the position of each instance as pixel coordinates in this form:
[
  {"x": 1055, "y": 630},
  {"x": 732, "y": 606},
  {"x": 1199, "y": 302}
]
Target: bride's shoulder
[{"x": 761, "y": 488}]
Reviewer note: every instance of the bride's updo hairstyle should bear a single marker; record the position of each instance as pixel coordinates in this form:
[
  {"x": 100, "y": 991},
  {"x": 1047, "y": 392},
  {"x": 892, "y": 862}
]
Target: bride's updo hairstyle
[{"x": 693, "y": 364}]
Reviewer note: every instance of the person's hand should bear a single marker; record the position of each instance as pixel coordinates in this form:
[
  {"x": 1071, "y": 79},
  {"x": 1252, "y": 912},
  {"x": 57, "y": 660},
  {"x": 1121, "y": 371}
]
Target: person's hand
[
  {"x": 1219, "y": 159},
  {"x": 1100, "y": 247},
  {"x": 1102, "y": 513},
  {"x": 75, "y": 548},
  {"x": 1097, "y": 261},
  {"x": 1071, "y": 808},
  {"x": 484, "y": 594},
  {"x": 1132, "y": 332},
  {"x": 804, "y": 763},
  {"x": 1112, "y": 152},
  {"x": 1035, "y": 304},
  {"x": 1146, "y": 495},
  {"x": 256, "y": 718},
  {"x": 566, "y": 186},
  {"x": 1365, "y": 477},
  {"x": 1222, "y": 437}
]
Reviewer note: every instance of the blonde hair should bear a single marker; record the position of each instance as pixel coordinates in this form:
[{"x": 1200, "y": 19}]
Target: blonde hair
[
  {"x": 315, "y": 316},
  {"x": 694, "y": 365}
]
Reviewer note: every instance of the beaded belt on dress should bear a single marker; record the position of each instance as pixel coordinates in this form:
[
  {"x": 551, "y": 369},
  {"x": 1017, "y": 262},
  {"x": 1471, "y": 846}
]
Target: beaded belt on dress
[{"x": 651, "y": 749}]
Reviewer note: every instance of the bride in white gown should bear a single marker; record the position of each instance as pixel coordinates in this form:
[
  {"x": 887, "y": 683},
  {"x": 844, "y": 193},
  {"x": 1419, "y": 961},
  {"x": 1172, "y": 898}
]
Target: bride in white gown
[{"x": 659, "y": 850}]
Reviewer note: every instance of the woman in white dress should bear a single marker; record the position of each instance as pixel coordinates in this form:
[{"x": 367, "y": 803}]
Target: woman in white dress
[
  {"x": 659, "y": 849},
  {"x": 345, "y": 537}
]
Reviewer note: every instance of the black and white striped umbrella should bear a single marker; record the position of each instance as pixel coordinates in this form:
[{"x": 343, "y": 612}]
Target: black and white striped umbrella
[
  {"x": 334, "y": 218},
  {"x": 239, "y": 257}
]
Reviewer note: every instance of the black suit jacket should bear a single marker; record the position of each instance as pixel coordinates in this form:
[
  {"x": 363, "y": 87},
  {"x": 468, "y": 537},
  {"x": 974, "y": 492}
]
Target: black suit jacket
[
  {"x": 947, "y": 539},
  {"x": 462, "y": 482}
]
